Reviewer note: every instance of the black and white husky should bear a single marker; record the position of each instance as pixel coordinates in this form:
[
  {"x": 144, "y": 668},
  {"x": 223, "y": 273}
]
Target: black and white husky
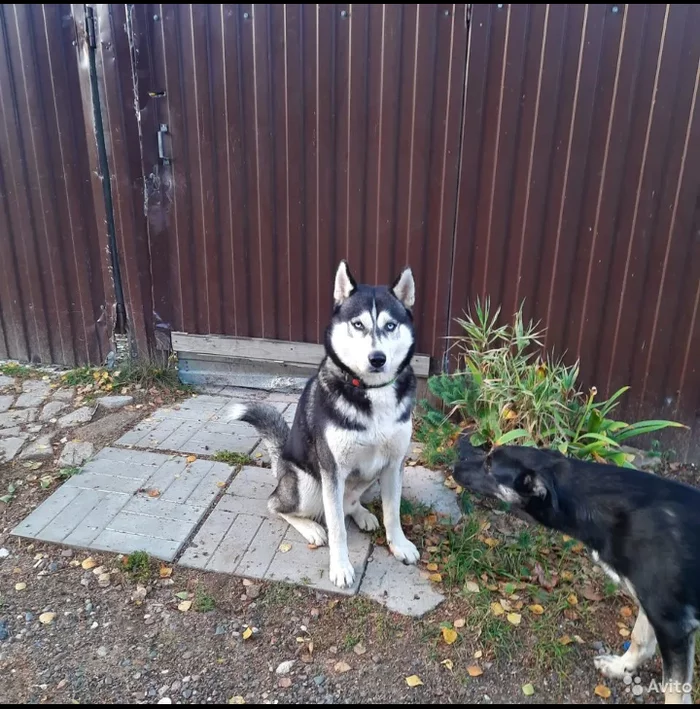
[{"x": 352, "y": 426}]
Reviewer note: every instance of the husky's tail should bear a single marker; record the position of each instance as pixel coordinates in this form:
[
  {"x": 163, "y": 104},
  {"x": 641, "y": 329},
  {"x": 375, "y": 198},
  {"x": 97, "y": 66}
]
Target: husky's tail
[{"x": 268, "y": 422}]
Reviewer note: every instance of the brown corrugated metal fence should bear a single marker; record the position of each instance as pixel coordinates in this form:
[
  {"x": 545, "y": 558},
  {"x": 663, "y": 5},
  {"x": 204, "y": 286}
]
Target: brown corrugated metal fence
[
  {"x": 539, "y": 152},
  {"x": 580, "y": 190},
  {"x": 56, "y": 291}
]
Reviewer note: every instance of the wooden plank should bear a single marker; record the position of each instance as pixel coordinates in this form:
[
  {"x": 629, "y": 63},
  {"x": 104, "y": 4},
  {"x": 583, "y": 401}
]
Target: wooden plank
[{"x": 265, "y": 350}]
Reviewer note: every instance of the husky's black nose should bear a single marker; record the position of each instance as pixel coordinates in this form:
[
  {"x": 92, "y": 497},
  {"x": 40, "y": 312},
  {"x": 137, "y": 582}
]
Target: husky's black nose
[{"x": 377, "y": 359}]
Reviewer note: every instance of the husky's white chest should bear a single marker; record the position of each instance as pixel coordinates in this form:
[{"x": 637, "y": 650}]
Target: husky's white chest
[{"x": 383, "y": 440}]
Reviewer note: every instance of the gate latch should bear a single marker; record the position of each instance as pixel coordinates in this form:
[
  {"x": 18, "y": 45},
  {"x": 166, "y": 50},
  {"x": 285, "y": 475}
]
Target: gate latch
[{"x": 161, "y": 144}]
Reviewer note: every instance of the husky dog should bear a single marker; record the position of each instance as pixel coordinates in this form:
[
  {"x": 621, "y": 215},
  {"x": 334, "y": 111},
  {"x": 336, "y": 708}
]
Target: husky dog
[
  {"x": 352, "y": 426},
  {"x": 642, "y": 529}
]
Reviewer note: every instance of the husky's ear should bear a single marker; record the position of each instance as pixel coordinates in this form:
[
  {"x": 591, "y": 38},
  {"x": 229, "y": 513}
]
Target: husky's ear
[
  {"x": 345, "y": 284},
  {"x": 404, "y": 288}
]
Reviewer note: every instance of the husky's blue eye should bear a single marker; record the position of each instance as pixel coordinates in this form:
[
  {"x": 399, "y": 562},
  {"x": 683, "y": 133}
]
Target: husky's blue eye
[
  {"x": 358, "y": 325},
  {"x": 391, "y": 326}
]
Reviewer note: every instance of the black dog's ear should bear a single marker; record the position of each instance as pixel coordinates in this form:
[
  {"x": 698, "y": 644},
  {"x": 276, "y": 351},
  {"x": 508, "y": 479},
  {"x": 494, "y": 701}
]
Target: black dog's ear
[
  {"x": 345, "y": 284},
  {"x": 537, "y": 485}
]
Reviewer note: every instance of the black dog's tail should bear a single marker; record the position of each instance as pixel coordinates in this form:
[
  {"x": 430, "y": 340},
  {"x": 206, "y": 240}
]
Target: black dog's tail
[{"x": 268, "y": 422}]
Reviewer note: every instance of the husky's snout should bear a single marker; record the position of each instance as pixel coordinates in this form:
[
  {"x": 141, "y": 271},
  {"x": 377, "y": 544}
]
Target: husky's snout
[{"x": 377, "y": 359}]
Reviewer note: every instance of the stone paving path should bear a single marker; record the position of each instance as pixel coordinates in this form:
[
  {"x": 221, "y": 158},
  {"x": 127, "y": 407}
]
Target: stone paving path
[{"x": 157, "y": 490}]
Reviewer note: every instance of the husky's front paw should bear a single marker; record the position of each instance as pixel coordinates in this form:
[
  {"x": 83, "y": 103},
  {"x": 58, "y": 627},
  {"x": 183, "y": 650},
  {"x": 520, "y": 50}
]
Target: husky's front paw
[
  {"x": 365, "y": 520},
  {"x": 612, "y": 666},
  {"x": 404, "y": 550},
  {"x": 342, "y": 573}
]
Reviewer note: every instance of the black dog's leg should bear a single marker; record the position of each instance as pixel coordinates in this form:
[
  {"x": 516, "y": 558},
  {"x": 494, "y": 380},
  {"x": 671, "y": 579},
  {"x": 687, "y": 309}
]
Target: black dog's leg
[{"x": 678, "y": 653}]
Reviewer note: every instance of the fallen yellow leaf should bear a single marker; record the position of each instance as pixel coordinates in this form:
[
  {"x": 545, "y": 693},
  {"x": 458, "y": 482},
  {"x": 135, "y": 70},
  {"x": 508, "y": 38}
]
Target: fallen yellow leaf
[
  {"x": 47, "y": 618},
  {"x": 566, "y": 537},
  {"x": 478, "y": 654},
  {"x": 236, "y": 700},
  {"x": 497, "y": 609},
  {"x": 577, "y": 548},
  {"x": 449, "y": 635},
  {"x": 472, "y": 587},
  {"x": 572, "y": 599},
  {"x": 536, "y": 609},
  {"x": 602, "y": 691},
  {"x": 528, "y": 690},
  {"x": 220, "y": 484},
  {"x": 565, "y": 640},
  {"x": 460, "y": 623},
  {"x": 432, "y": 567},
  {"x": 491, "y": 542},
  {"x": 191, "y": 459},
  {"x": 247, "y": 633},
  {"x": 437, "y": 578},
  {"x": 165, "y": 572},
  {"x": 626, "y": 612},
  {"x": 448, "y": 663},
  {"x": 20, "y": 586},
  {"x": 514, "y": 618},
  {"x": 624, "y": 632},
  {"x": 474, "y": 671},
  {"x": 89, "y": 563},
  {"x": 184, "y": 606},
  {"x": 413, "y": 681},
  {"x": 284, "y": 547},
  {"x": 341, "y": 667},
  {"x": 567, "y": 576}
]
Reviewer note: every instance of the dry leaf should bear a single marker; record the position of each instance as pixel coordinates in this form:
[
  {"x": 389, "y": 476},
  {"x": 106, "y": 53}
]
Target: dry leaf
[
  {"x": 536, "y": 609},
  {"x": 602, "y": 691},
  {"x": 20, "y": 586},
  {"x": 528, "y": 690},
  {"x": 449, "y": 635},
  {"x": 448, "y": 663},
  {"x": 472, "y": 587},
  {"x": 624, "y": 632},
  {"x": 341, "y": 667},
  {"x": 184, "y": 606},
  {"x": 247, "y": 633},
  {"x": 437, "y": 578},
  {"x": 577, "y": 548},
  {"x": 220, "y": 484},
  {"x": 572, "y": 599},
  {"x": 359, "y": 649},
  {"x": 89, "y": 563},
  {"x": 514, "y": 618},
  {"x": 567, "y": 575},
  {"x": 474, "y": 671},
  {"x": 432, "y": 567},
  {"x": 570, "y": 614},
  {"x": 47, "y": 618},
  {"x": 478, "y": 654},
  {"x": 153, "y": 492},
  {"x": 413, "y": 681},
  {"x": 547, "y": 585},
  {"x": 565, "y": 640},
  {"x": 626, "y": 612},
  {"x": 460, "y": 623},
  {"x": 566, "y": 537},
  {"x": 490, "y": 542},
  {"x": 191, "y": 459},
  {"x": 284, "y": 682},
  {"x": 165, "y": 572},
  {"x": 284, "y": 547},
  {"x": 591, "y": 594},
  {"x": 236, "y": 700},
  {"x": 497, "y": 609}
]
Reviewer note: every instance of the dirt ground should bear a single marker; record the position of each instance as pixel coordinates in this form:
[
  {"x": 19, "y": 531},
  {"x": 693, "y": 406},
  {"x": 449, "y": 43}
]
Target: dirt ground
[{"x": 158, "y": 634}]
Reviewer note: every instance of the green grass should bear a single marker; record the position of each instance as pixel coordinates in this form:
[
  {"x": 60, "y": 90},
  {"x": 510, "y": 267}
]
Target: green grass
[
  {"x": 12, "y": 369},
  {"x": 232, "y": 458},
  {"x": 144, "y": 374},
  {"x": 203, "y": 601},
  {"x": 138, "y": 565}
]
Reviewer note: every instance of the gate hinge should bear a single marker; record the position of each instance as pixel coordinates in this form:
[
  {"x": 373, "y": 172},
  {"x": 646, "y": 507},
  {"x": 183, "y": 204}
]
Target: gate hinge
[{"x": 90, "y": 27}]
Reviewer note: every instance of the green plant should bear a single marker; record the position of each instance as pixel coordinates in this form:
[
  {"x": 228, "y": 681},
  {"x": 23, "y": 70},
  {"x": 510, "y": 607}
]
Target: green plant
[
  {"x": 11, "y": 493},
  {"x": 506, "y": 389},
  {"x": 12, "y": 369},
  {"x": 138, "y": 565},
  {"x": 232, "y": 458},
  {"x": 203, "y": 601}
]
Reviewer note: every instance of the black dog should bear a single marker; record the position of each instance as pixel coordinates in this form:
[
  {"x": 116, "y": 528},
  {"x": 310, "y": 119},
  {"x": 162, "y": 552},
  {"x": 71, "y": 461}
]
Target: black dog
[{"x": 643, "y": 530}]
